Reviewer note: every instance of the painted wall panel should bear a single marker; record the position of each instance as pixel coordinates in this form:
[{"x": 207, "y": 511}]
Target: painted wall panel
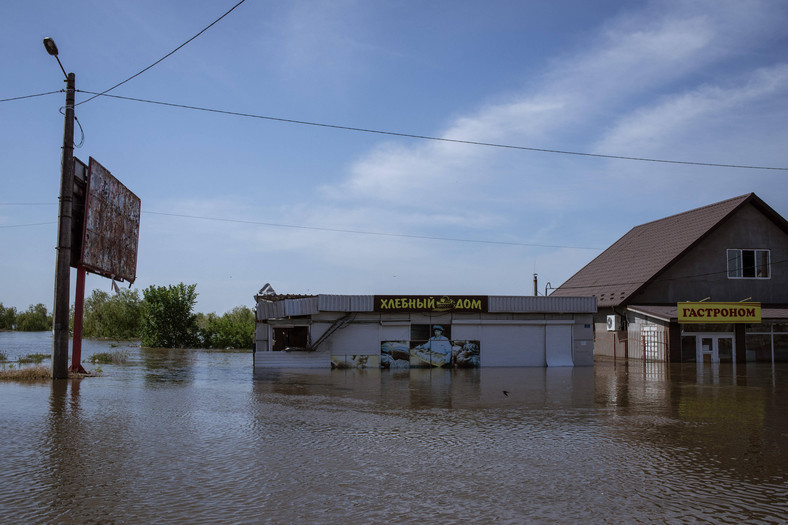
[
  {"x": 261, "y": 337},
  {"x": 518, "y": 345},
  {"x": 472, "y": 332},
  {"x": 584, "y": 353},
  {"x": 395, "y": 332},
  {"x": 558, "y": 345},
  {"x": 354, "y": 339}
]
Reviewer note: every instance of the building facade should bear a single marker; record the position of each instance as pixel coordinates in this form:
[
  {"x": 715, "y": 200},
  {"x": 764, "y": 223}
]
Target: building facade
[
  {"x": 734, "y": 251},
  {"x": 447, "y": 331}
]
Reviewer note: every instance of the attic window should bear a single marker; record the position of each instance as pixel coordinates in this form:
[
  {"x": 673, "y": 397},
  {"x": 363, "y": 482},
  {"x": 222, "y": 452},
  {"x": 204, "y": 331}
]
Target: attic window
[{"x": 748, "y": 264}]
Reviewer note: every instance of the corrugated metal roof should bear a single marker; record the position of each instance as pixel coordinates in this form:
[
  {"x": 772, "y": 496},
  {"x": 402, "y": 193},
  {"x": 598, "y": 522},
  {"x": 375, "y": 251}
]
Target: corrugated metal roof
[
  {"x": 346, "y": 303},
  {"x": 270, "y": 310},
  {"x": 365, "y": 303},
  {"x": 530, "y": 304},
  {"x": 306, "y": 306}
]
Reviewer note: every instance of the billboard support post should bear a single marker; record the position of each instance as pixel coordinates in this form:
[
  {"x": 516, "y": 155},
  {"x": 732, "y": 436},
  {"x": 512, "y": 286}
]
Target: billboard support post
[
  {"x": 79, "y": 305},
  {"x": 60, "y": 335}
]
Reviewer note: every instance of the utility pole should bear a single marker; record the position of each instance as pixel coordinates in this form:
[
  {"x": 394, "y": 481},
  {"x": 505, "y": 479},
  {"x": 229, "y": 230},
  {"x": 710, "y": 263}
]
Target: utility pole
[{"x": 60, "y": 319}]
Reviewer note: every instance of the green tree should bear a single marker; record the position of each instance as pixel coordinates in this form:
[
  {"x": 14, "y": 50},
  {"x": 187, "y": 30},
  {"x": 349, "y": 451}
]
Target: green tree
[
  {"x": 235, "y": 329},
  {"x": 7, "y": 317},
  {"x": 116, "y": 316},
  {"x": 34, "y": 319},
  {"x": 167, "y": 317}
]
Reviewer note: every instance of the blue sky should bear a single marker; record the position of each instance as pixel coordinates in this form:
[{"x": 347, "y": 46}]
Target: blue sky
[{"x": 277, "y": 202}]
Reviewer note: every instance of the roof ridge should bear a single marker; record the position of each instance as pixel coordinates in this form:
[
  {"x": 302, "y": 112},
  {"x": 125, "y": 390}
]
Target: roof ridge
[{"x": 741, "y": 198}]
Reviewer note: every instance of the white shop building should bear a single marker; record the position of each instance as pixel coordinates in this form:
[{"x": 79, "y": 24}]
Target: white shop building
[{"x": 448, "y": 331}]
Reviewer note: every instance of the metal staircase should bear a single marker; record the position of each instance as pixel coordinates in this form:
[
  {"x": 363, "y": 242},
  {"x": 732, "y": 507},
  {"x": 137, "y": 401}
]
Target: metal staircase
[{"x": 340, "y": 323}]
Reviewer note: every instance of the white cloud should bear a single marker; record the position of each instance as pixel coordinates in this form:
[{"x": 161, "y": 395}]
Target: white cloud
[
  {"x": 680, "y": 115},
  {"x": 641, "y": 85}
]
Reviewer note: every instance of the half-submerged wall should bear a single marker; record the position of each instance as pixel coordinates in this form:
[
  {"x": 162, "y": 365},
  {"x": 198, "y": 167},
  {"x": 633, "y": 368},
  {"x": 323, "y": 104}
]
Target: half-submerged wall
[{"x": 343, "y": 331}]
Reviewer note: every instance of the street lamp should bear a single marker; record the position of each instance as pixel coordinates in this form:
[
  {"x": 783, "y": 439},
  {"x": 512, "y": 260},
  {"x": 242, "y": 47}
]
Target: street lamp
[{"x": 60, "y": 334}]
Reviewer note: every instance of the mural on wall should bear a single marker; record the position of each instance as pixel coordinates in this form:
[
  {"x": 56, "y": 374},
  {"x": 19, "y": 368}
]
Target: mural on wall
[
  {"x": 430, "y": 346},
  {"x": 394, "y": 354},
  {"x": 355, "y": 361}
]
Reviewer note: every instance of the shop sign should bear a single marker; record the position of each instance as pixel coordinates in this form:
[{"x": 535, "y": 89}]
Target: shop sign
[
  {"x": 430, "y": 303},
  {"x": 701, "y": 313}
]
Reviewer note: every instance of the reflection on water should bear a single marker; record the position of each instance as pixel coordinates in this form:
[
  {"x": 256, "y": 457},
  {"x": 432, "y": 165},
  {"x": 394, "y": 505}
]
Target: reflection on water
[
  {"x": 193, "y": 436},
  {"x": 168, "y": 364}
]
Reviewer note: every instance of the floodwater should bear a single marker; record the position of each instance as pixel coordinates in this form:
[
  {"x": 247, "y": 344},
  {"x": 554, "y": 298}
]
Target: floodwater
[{"x": 192, "y": 436}]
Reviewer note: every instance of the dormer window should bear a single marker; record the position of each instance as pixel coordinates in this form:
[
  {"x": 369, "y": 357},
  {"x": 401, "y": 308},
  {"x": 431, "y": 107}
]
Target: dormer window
[{"x": 748, "y": 264}]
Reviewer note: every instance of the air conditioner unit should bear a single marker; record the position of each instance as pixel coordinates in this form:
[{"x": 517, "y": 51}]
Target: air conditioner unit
[{"x": 613, "y": 323}]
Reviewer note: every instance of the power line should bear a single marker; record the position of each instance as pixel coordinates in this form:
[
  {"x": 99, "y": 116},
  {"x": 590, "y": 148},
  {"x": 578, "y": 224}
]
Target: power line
[
  {"x": 440, "y": 139},
  {"x": 31, "y": 96},
  {"x": 362, "y": 232},
  {"x": 336, "y": 230},
  {"x": 403, "y": 235},
  {"x": 25, "y": 225},
  {"x": 656, "y": 280},
  {"x": 164, "y": 57},
  {"x": 405, "y": 135}
]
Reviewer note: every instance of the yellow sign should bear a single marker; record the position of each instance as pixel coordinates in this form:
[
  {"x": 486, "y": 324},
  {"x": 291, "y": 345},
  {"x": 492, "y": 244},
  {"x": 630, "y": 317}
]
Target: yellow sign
[{"x": 702, "y": 313}]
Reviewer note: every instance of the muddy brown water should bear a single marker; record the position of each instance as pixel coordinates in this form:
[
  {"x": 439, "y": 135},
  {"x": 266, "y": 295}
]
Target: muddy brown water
[{"x": 192, "y": 436}]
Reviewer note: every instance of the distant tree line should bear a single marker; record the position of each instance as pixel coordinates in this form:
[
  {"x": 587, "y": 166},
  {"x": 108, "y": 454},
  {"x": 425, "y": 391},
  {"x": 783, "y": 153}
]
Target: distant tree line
[
  {"x": 163, "y": 317},
  {"x": 34, "y": 319}
]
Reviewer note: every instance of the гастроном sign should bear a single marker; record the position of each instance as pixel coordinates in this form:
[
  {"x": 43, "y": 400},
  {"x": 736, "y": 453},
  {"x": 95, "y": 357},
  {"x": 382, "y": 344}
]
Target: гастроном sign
[
  {"x": 430, "y": 303},
  {"x": 701, "y": 313}
]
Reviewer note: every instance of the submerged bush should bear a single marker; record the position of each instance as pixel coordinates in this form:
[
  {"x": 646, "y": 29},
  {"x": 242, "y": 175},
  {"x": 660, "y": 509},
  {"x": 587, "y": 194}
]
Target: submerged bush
[
  {"x": 116, "y": 316},
  {"x": 108, "y": 358},
  {"x": 33, "y": 358},
  {"x": 30, "y": 373},
  {"x": 235, "y": 329},
  {"x": 167, "y": 317}
]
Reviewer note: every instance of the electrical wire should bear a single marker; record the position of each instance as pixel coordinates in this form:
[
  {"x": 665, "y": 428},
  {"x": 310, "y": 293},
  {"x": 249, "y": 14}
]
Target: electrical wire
[
  {"x": 385, "y": 234},
  {"x": 440, "y": 139},
  {"x": 336, "y": 230},
  {"x": 25, "y": 225},
  {"x": 31, "y": 96},
  {"x": 362, "y": 232},
  {"x": 398, "y": 134},
  {"x": 81, "y": 131},
  {"x": 657, "y": 280},
  {"x": 164, "y": 57}
]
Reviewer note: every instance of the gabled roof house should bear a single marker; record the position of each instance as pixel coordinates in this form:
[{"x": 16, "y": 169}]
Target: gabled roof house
[{"x": 735, "y": 250}]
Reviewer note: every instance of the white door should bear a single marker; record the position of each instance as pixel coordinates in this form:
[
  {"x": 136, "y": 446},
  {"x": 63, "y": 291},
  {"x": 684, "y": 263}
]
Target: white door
[
  {"x": 558, "y": 345},
  {"x": 715, "y": 348}
]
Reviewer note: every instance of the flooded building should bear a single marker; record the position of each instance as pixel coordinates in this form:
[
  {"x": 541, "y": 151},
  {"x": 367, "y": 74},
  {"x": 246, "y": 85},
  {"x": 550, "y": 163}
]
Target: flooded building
[
  {"x": 448, "y": 331},
  {"x": 706, "y": 285}
]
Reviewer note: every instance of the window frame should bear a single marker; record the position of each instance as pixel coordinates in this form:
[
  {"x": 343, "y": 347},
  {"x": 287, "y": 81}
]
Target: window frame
[{"x": 738, "y": 256}]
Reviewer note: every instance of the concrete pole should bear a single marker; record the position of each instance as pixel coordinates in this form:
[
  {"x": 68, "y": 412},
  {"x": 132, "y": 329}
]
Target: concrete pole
[{"x": 60, "y": 319}]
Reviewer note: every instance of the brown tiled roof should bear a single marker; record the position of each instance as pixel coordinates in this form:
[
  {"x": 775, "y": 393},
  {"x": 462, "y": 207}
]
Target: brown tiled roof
[{"x": 646, "y": 250}]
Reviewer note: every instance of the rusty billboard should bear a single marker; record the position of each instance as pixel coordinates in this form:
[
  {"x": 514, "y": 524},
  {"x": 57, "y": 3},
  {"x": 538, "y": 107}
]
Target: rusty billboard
[{"x": 112, "y": 224}]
